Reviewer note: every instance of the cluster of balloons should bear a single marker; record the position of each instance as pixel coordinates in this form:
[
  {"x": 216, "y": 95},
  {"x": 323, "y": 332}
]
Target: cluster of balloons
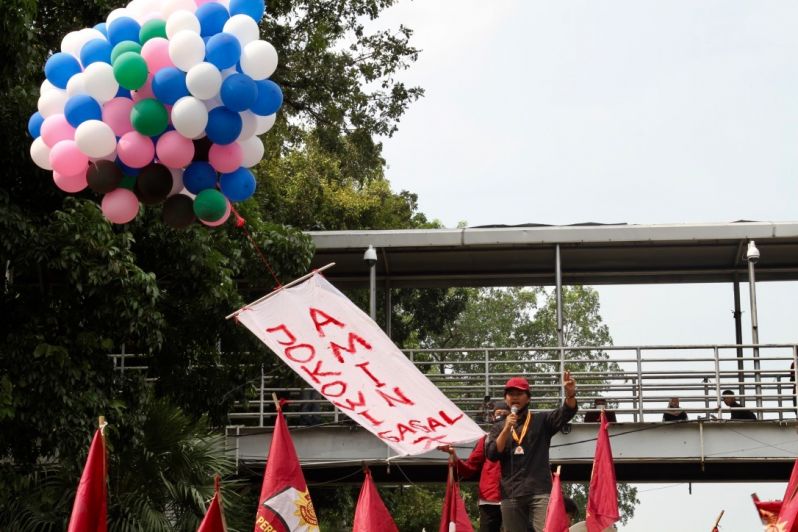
[{"x": 162, "y": 102}]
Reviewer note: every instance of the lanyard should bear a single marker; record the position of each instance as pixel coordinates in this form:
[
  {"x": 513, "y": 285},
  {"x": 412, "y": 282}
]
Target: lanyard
[{"x": 519, "y": 439}]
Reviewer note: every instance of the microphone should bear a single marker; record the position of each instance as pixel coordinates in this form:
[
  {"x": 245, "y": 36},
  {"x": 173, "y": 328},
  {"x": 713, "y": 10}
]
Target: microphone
[{"x": 514, "y": 409}]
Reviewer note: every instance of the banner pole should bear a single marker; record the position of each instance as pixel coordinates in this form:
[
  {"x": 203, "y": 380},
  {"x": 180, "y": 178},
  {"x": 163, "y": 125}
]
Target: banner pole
[{"x": 289, "y": 285}]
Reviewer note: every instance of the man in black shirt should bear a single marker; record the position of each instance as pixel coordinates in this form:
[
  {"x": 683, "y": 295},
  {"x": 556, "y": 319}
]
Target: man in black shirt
[
  {"x": 737, "y": 410},
  {"x": 521, "y": 444}
]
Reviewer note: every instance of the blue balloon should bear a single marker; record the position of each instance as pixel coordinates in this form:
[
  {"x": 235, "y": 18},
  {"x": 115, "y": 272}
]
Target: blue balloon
[
  {"x": 60, "y": 67},
  {"x": 224, "y": 125},
  {"x": 238, "y": 185},
  {"x": 35, "y": 124},
  {"x": 127, "y": 170},
  {"x": 122, "y": 93},
  {"x": 96, "y": 51},
  {"x": 212, "y": 17},
  {"x": 250, "y": 8},
  {"x": 123, "y": 29},
  {"x": 199, "y": 176},
  {"x": 102, "y": 28},
  {"x": 239, "y": 92},
  {"x": 169, "y": 85},
  {"x": 223, "y": 50},
  {"x": 270, "y": 98},
  {"x": 80, "y": 108}
]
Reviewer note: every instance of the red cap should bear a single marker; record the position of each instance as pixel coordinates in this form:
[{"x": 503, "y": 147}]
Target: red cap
[{"x": 517, "y": 383}]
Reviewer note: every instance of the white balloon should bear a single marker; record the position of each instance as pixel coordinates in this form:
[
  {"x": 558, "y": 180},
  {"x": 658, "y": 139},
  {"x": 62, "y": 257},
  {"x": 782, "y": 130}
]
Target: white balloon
[
  {"x": 95, "y": 138},
  {"x": 172, "y": 6},
  {"x": 212, "y": 103},
  {"x": 259, "y": 59},
  {"x": 204, "y": 80},
  {"x": 227, "y": 72},
  {"x": 182, "y": 20},
  {"x": 110, "y": 157},
  {"x": 265, "y": 123},
  {"x": 177, "y": 181},
  {"x": 46, "y": 87},
  {"x": 249, "y": 122},
  {"x": 70, "y": 44},
  {"x": 52, "y": 102},
  {"x": 252, "y": 149},
  {"x": 242, "y": 27},
  {"x": 40, "y": 153},
  {"x": 186, "y": 50},
  {"x": 100, "y": 81},
  {"x": 76, "y": 85},
  {"x": 189, "y": 116},
  {"x": 118, "y": 13}
]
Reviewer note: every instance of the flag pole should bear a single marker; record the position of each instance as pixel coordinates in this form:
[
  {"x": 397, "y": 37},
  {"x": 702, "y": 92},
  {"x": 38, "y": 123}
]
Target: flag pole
[
  {"x": 280, "y": 288},
  {"x": 717, "y": 521}
]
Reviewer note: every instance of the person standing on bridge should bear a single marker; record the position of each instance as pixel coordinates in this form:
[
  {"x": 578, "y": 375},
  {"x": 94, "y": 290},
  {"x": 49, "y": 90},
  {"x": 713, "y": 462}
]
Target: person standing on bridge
[
  {"x": 521, "y": 445},
  {"x": 738, "y": 412}
]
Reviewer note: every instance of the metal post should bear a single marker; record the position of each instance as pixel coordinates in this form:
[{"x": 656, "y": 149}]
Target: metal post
[
  {"x": 262, "y": 381},
  {"x": 388, "y": 307},
  {"x": 639, "y": 386},
  {"x": 717, "y": 381},
  {"x": 755, "y": 335},
  {"x": 373, "y": 291},
  {"x": 738, "y": 335},
  {"x": 560, "y": 337},
  {"x": 487, "y": 373}
]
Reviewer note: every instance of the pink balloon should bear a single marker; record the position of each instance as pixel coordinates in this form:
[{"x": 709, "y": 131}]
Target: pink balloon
[
  {"x": 55, "y": 128},
  {"x": 203, "y": 2},
  {"x": 70, "y": 183},
  {"x": 225, "y": 158},
  {"x": 135, "y": 150},
  {"x": 221, "y": 220},
  {"x": 144, "y": 92},
  {"x": 116, "y": 113},
  {"x": 120, "y": 205},
  {"x": 67, "y": 159},
  {"x": 174, "y": 150},
  {"x": 156, "y": 53}
]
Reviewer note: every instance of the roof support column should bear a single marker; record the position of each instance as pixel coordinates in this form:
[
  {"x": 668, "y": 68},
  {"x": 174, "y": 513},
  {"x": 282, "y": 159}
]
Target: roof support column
[
  {"x": 558, "y": 291},
  {"x": 738, "y": 335}
]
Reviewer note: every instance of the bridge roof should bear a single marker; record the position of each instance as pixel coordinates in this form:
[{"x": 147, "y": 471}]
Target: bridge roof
[{"x": 592, "y": 254}]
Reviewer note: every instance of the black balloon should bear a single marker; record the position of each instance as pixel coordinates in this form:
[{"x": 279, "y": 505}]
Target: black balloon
[
  {"x": 201, "y": 148},
  {"x": 153, "y": 184},
  {"x": 178, "y": 211},
  {"x": 104, "y": 176}
]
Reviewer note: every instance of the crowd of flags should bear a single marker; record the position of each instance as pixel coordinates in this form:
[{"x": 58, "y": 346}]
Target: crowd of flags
[{"x": 285, "y": 504}]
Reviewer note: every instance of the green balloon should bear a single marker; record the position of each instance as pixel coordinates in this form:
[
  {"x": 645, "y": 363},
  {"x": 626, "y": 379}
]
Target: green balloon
[
  {"x": 149, "y": 117},
  {"x": 130, "y": 70},
  {"x": 210, "y": 205},
  {"x": 151, "y": 29},
  {"x": 124, "y": 46},
  {"x": 128, "y": 182}
]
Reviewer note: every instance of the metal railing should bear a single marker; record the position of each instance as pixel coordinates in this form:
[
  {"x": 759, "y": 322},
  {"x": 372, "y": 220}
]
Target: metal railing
[{"x": 636, "y": 381}]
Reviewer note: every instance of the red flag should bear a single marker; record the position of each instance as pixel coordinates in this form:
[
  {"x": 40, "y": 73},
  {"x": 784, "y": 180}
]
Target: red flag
[
  {"x": 602, "y": 501},
  {"x": 454, "y": 517},
  {"x": 214, "y": 517},
  {"x": 371, "y": 513},
  {"x": 788, "y": 514},
  {"x": 285, "y": 504},
  {"x": 768, "y": 510},
  {"x": 90, "y": 511},
  {"x": 556, "y": 518}
]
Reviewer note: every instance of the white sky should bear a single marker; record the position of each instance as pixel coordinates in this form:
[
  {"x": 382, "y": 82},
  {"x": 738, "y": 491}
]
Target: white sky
[{"x": 636, "y": 111}]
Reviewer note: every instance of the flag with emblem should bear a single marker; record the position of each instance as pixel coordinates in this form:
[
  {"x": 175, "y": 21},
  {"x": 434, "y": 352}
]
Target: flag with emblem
[
  {"x": 285, "y": 504},
  {"x": 787, "y": 520},
  {"x": 90, "y": 510},
  {"x": 602, "y": 501}
]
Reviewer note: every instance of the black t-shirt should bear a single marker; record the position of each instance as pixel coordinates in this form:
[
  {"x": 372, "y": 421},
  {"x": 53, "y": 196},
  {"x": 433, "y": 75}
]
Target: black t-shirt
[{"x": 528, "y": 473}]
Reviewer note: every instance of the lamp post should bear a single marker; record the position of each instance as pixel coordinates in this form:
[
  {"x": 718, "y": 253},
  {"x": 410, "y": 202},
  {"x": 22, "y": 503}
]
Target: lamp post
[
  {"x": 370, "y": 256},
  {"x": 752, "y": 256}
]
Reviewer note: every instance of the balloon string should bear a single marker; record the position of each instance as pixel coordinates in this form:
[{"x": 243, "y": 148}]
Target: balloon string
[{"x": 241, "y": 224}]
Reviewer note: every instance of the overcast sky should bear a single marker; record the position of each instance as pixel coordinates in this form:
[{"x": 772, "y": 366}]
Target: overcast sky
[{"x": 634, "y": 111}]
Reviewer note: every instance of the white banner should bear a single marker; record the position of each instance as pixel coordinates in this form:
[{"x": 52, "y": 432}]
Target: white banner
[{"x": 342, "y": 353}]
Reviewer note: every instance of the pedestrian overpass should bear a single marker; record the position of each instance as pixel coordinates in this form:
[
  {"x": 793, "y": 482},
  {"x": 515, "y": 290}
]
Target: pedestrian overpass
[{"x": 637, "y": 381}]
